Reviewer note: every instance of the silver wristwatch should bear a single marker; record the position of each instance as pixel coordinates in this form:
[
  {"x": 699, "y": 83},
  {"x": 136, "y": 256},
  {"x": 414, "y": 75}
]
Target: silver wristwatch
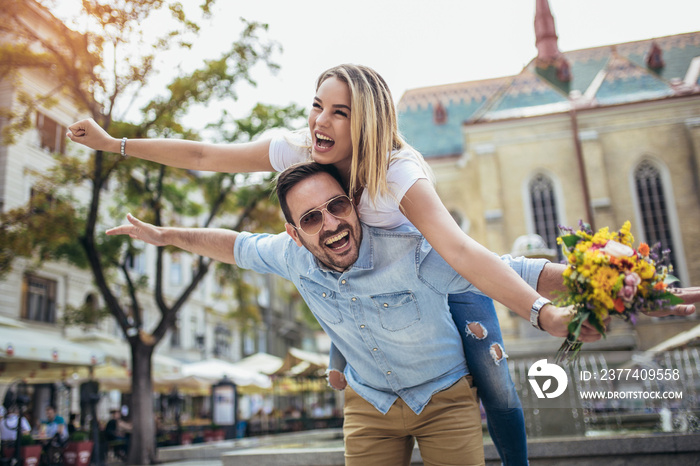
[{"x": 535, "y": 311}]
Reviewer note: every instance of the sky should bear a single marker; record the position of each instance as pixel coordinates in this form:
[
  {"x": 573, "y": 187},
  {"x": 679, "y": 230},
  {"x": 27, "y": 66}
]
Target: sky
[{"x": 411, "y": 43}]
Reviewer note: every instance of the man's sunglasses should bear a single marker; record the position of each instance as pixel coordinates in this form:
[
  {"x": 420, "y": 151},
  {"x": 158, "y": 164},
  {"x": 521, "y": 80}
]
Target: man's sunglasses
[{"x": 312, "y": 221}]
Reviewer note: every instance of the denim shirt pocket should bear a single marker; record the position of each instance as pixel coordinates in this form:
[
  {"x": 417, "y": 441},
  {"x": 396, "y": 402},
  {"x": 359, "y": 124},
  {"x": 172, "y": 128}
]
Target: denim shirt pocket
[
  {"x": 322, "y": 301},
  {"x": 397, "y": 311}
]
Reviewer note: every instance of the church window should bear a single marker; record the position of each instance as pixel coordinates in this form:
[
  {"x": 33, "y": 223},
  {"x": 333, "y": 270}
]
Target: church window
[
  {"x": 439, "y": 114},
  {"x": 653, "y": 206},
  {"x": 544, "y": 210}
]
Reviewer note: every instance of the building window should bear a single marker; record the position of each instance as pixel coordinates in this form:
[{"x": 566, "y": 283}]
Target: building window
[
  {"x": 544, "y": 210},
  {"x": 41, "y": 201},
  {"x": 175, "y": 339},
  {"x": 175, "y": 274},
  {"x": 439, "y": 114},
  {"x": 653, "y": 207},
  {"x": 39, "y": 299},
  {"x": 136, "y": 262},
  {"x": 248, "y": 343},
  {"x": 222, "y": 342},
  {"x": 52, "y": 135}
]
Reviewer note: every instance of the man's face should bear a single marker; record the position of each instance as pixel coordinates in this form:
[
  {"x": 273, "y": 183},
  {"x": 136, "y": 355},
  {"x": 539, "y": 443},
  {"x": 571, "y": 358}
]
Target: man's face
[
  {"x": 337, "y": 244},
  {"x": 50, "y": 414}
]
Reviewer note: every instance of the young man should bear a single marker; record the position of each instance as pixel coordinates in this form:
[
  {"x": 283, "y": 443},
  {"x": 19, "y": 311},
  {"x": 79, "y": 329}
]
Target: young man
[
  {"x": 381, "y": 295},
  {"x": 55, "y": 425}
]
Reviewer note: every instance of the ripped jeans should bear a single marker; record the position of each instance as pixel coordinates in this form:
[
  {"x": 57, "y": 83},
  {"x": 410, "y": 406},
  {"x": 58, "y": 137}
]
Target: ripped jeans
[{"x": 475, "y": 317}]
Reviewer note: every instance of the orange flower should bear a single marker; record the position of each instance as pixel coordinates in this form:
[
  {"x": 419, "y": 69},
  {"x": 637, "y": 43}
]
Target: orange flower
[
  {"x": 660, "y": 286},
  {"x": 619, "y": 305},
  {"x": 643, "y": 249}
]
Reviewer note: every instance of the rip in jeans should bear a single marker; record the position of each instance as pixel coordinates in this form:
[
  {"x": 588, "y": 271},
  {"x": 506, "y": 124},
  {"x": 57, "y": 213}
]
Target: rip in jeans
[{"x": 476, "y": 330}]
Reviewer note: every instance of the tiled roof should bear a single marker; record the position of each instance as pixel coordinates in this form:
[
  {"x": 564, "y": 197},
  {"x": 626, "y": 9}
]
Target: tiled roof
[{"x": 600, "y": 76}]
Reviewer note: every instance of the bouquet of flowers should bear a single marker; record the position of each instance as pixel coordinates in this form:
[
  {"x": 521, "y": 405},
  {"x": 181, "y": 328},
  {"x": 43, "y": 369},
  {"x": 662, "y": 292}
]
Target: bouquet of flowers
[{"x": 605, "y": 276}]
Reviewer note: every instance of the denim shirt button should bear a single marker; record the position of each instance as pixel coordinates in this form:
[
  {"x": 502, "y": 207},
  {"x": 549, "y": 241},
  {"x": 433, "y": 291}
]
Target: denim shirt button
[
  {"x": 324, "y": 295},
  {"x": 343, "y": 281},
  {"x": 388, "y": 372},
  {"x": 386, "y": 305},
  {"x": 362, "y": 326},
  {"x": 374, "y": 349},
  {"x": 354, "y": 299}
]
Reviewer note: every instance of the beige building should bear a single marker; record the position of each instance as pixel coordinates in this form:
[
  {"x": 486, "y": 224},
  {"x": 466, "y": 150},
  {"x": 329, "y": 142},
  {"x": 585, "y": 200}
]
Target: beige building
[{"x": 604, "y": 135}]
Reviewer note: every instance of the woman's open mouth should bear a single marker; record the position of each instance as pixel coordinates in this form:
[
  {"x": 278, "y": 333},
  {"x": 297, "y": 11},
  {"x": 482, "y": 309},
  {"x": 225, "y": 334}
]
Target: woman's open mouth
[{"x": 323, "y": 142}]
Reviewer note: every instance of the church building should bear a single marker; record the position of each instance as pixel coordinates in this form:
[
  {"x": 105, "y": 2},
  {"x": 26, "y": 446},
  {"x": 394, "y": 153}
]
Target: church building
[{"x": 604, "y": 135}]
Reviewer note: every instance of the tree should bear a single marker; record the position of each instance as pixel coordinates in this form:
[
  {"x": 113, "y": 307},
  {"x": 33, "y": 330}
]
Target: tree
[{"x": 158, "y": 194}]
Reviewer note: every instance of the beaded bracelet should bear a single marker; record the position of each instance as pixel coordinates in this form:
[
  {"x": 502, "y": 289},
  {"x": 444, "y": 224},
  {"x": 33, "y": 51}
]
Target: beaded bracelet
[{"x": 123, "y": 151}]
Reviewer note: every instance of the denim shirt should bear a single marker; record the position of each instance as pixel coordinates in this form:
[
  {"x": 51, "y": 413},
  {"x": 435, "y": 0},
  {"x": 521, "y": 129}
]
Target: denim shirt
[{"x": 387, "y": 313}]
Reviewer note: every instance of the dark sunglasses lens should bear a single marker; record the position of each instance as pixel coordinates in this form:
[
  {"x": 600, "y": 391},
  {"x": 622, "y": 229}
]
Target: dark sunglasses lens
[
  {"x": 311, "y": 221},
  {"x": 340, "y": 207}
]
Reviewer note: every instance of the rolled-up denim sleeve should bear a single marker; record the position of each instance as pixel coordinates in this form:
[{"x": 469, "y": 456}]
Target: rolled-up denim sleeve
[
  {"x": 263, "y": 253},
  {"x": 528, "y": 269}
]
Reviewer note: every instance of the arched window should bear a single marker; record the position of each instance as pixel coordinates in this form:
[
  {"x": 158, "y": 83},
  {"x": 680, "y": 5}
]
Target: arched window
[
  {"x": 544, "y": 210},
  {"x": 439, "y": 114},
  {"x": 653, "y": 207}
]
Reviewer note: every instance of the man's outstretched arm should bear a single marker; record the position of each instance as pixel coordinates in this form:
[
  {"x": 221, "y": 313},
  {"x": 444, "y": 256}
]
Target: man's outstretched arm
[{"x": 216, "y": 243}]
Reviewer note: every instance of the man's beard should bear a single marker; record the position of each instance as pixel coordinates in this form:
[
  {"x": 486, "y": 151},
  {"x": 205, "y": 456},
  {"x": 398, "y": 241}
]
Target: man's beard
[{"x": 326, "y": 256}]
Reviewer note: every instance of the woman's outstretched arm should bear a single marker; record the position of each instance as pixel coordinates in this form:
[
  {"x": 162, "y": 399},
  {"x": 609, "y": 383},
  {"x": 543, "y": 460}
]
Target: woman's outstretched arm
[
  {"x": 481, "y": 267},
  {"x": 192, "y": 155}
]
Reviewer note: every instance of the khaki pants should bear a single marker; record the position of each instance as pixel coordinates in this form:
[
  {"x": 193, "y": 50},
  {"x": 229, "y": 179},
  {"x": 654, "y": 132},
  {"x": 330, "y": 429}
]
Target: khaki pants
[{"x": 448, "y": 430}]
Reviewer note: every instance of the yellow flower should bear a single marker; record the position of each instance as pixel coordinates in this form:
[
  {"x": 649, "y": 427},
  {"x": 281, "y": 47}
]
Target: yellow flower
[
  {"x": 645, "y": 270},
  {"x": 603, "y": 282},
  {"x": 624, "y": 236},
  {"x": 601, "y": 236}
]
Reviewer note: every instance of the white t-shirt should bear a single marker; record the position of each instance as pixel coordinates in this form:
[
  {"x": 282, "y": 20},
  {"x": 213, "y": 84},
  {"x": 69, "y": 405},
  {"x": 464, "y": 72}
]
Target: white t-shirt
[
  {"x": 289, "y": 148},
  {"x": 8, "y": 427}
]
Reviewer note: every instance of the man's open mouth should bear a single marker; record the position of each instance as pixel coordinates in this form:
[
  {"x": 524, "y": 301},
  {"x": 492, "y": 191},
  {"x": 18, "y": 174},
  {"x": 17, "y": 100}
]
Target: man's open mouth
[{"x": 338, "y": 241}]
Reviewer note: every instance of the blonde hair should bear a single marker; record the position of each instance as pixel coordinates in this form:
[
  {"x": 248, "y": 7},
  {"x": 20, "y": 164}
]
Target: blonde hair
[{"x": 374, "y": 129}]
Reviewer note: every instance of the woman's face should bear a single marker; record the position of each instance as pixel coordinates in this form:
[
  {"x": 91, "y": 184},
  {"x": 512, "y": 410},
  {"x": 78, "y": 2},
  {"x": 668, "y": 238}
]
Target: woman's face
[{"x": 329, "y": 122}]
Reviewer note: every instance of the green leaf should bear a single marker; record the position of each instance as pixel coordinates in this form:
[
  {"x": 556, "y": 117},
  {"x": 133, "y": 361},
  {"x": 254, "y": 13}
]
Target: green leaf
[
  {"x": 570, "y": 240},
  {"x": 672, "y": 298},
  {"x": 595, "y": 322}
]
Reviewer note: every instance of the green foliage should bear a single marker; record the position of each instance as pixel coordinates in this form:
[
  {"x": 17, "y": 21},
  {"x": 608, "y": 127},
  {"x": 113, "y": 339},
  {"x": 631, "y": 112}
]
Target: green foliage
[
  {"x": 84, "y": 316},
  {"x": 60, "y": 226},
  {"x": 26, "y": 440},
  {"x": 44, "y": 230},
  {"x": 79, "y": 436}
]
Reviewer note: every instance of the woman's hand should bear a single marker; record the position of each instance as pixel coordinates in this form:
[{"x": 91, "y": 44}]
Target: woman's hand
[
  {"x": 689, "y": 296},
  {"x": 90, "y": 134}
]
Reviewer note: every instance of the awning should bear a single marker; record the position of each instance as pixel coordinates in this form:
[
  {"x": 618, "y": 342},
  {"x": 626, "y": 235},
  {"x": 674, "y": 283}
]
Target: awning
[
  {"x": 185, "y": 385},
  {"x": 40, "y": 355},
  {"x": 217, "y": 369},
  {"x": 118, "y": 352},
  {"x": 260, "y": 362},
  {"x": 300, "y": 363},
  {"x": 45, "y": 346}
]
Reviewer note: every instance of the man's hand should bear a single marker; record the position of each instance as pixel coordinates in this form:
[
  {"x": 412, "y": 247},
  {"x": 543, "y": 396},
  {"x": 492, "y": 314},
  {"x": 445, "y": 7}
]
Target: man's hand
[
  {"x": 336, "y": 379},
  {"x": 139, "y": 230},
  {"x": 689, "y": 296},
  {"x": 555, "y": 320}
]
